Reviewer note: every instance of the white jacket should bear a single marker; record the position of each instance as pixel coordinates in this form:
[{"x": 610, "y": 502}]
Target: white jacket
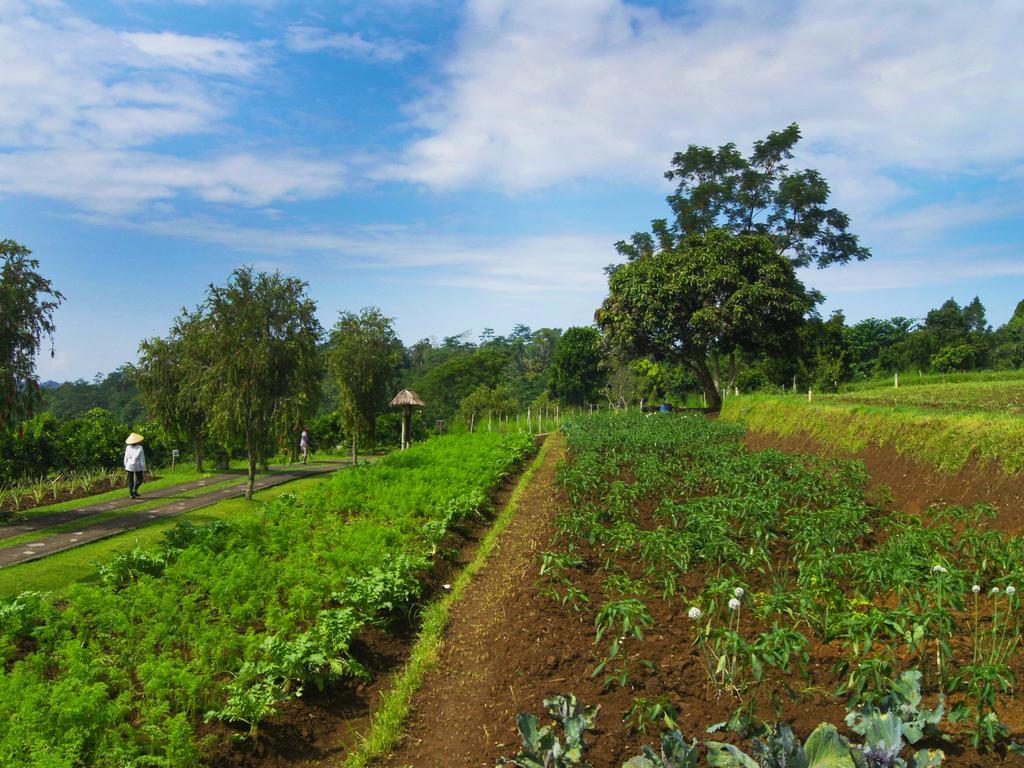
[{"x": 134, "y": 458}]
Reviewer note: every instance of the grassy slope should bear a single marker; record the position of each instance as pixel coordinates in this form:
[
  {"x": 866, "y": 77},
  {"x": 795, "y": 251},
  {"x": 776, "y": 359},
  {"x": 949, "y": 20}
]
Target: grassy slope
[
  {"x": 942, "y": 439},
  {"x": 79, "y": 564}
]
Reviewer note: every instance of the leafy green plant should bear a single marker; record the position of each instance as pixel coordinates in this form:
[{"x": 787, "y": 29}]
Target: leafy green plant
[
  {"x": 674, "y": 753},
  {"x": 541, "y": 746},
  {"x": 657, "y": 711}
]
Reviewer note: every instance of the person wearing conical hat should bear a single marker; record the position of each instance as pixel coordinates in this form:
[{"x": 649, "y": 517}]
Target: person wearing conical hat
[{"x": 134, "y": 462}]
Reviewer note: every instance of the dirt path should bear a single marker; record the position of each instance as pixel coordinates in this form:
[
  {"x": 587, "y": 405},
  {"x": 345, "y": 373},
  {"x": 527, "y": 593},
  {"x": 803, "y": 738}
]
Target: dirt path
[
  {"x": 468, "y": 705},
  {"x": 509, "y": 646},
  {"x": 35, "y": 550}
]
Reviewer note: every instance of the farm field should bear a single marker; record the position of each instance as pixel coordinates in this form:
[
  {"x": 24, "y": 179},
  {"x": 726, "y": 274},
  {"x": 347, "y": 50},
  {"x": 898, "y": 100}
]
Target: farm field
[
  {"x": 183, "y": 645},
  {"x": 944, "y": 438},
  {"x": 1000, "y": 396},
  {"x": 679, "y": 575}
]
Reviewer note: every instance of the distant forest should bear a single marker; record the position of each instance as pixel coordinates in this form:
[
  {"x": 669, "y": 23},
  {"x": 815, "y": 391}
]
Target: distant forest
[{"x": 830, "y": 352}]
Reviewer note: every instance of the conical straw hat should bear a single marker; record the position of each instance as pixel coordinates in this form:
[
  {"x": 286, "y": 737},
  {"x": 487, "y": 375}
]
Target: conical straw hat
[{"x": 134, "y": 439}]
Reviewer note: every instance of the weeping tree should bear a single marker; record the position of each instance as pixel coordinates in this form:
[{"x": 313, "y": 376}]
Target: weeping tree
[
  {"x": 27, "y": 303},
  {"x": 263, "y": 371},
  {"x": 170, "y": 375},
  {"x": 717, "y": 291},
  {"x": 364, "y": 354}
]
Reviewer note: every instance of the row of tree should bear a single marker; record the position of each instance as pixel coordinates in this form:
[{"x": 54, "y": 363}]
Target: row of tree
[{"x": 709, "y": 299}]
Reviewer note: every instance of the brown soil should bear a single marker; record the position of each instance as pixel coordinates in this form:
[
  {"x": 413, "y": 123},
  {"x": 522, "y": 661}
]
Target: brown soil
[
  {"x": 915, "y": 486},
  {"x": 320, "y": 727},
  {"x": 509, "y": 646}
]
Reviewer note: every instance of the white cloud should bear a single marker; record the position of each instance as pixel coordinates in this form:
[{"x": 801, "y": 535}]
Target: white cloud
[
  {"x": 943, "y": 268},
  {"x": 538, "y": 93},
  {"x": 305, "y": 39},
  {"x": 118, "y": 182},
  {"x": 527, "y": 267},
  {"x": 83, "y": 104},
  {"x": 201, "y": 54}
]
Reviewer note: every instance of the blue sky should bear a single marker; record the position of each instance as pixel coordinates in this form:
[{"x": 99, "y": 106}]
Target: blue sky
[{"x": 469, "y": 165}]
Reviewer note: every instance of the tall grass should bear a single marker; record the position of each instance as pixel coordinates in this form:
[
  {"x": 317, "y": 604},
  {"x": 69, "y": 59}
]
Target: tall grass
[{"x": 942, "y": 439}]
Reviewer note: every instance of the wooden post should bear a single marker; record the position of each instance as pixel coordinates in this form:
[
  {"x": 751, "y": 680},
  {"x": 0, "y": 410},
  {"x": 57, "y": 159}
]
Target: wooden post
[
  {"x": 405, "y": 415},
  {"x": 529, "y": 420},
  {"x": 810, "y": 395},
  {"x": 736, "y": 390},
  {"x": 896, "y": 382},
  {"x": 488, "y": 421}
]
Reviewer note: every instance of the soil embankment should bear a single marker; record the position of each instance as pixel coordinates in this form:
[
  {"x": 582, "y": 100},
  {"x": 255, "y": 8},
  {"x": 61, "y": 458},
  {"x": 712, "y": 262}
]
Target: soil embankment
[{"x": 914, "y": 485}]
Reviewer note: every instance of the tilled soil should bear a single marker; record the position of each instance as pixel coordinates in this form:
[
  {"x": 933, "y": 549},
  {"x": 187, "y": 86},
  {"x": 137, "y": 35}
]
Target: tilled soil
[
  {"x": 321, "y": 727},
  {"x": 510, "y": 646},
  {"x": 915, "y": 486}
]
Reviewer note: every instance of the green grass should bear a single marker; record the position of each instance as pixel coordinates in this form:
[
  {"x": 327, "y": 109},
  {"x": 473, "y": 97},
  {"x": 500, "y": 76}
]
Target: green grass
[
  {"x": 79, "y": 564},
  {"x": 180, "y": 474},
  {"x": 1005, "y": 396},
  {"x": 386, "y": 729},
  {"x": 913, "y": 379},
  {"x": 99, "y": 517},
  {"x": 942, "y": 439}
]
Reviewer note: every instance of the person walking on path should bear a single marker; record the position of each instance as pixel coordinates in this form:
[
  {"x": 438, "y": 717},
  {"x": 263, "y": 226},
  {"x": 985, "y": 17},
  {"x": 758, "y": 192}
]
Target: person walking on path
[
  {"x": 304, "y": 444},
  {"x": 134, "y": 462}
]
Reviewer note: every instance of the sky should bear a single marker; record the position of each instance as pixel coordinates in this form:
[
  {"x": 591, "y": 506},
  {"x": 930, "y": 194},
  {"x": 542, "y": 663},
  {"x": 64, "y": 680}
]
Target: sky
[{"x": 469, "y": 165}]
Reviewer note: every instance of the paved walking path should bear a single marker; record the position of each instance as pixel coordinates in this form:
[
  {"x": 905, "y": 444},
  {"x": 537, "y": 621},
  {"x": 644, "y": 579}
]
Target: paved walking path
[
  {"x": 35, "y": 550},
  {"x": 40, "y": 522}
]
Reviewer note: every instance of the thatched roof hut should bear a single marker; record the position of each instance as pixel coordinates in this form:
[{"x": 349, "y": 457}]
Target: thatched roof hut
[{"x": 407, "y": 398}]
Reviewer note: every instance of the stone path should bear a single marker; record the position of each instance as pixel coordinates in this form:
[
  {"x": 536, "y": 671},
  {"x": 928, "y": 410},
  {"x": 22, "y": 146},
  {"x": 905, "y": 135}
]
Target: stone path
[{"x": 36, "y": 550}]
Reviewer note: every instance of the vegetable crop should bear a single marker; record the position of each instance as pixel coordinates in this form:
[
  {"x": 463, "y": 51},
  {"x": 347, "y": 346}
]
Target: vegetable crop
[{"x": 225, "y": 621}]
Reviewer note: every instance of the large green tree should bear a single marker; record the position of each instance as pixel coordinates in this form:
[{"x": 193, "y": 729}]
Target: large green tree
[
  {"x": 27, "y": 303},
  {"x": 263, "y": 373},
  {"x": 364, "y": 356},
  {"x": 170, "y": 375},
  {"x": 712, "y": 293},
  {"x": 576, "y": 376},
  {"x": 757, "y": 194}
]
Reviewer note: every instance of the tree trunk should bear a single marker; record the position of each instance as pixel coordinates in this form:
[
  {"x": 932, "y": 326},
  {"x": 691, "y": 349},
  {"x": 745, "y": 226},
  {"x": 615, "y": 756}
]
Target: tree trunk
[
  {"x": 251, "y": 475},
  {"x": 734, "y": 370},
  {"x": 708, "y": 383},
  {"x": 197, "y": 452},
  {"x": 716, "y": 369},
  {"x": 355, "y": 459}
]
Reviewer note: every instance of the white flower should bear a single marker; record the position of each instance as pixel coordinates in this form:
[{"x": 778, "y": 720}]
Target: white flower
[
  {"x": 976, "y": 588},
  {"x": 694, "y": 613},
  {"x": 938, "y": 569},
  {"x": 734, "y": 604},
  {"x": 738, "y": 592},
  {"x": 447, "y": 586},
  {"x": 994, "y": 591},
  {"x": 1011, "y": 590}
]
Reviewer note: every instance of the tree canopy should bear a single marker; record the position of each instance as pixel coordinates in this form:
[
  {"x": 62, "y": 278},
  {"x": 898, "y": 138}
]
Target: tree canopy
[
  {"x": 262, "y": 375},
  {"x": 170, "y": 375},
  {"x": 576, "y": 376},
  {"x": 714, "y": 293},
  {"x": 27, "y": 303},
  {"x": 757, "y": 194},
  {"x": 364, "y": 353}
]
